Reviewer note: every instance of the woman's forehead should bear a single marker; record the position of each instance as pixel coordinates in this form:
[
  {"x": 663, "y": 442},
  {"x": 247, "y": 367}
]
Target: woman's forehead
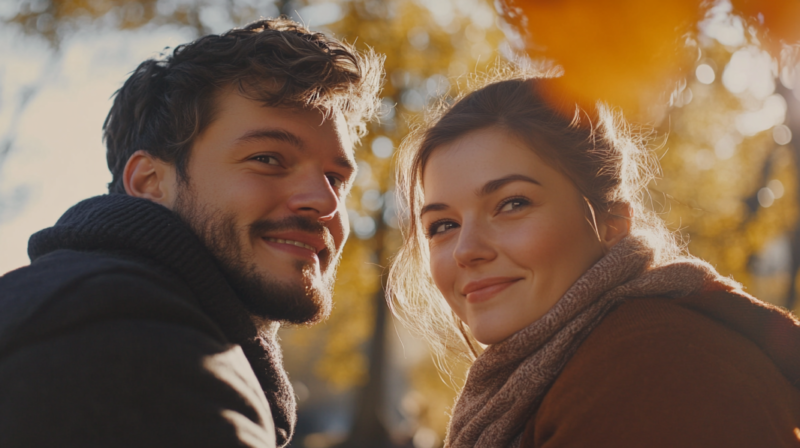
[{"x": 480, "y": 154}]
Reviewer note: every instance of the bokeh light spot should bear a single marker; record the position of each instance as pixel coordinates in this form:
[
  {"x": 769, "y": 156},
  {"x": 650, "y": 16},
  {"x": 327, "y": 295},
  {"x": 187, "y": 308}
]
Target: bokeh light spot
[
  {"x": 425, "y": 438},
  {"x": 364, "y": 226},
  {"x": 782, "y": 134},
  {"x": 725, "y": 147},
  {"x": 776, "y": 187},
  {"x": 705, "y": 74},
  {"x": 765, "y": 197},
  {"x": 382, "y": 147},
  {"x": 772, "y": 113},
  {"x": 704, "y": 159},
  {"x": 418, "y": 38},
  {"x": 749, "y": 69},
  {"x": 372, "y": 200}
]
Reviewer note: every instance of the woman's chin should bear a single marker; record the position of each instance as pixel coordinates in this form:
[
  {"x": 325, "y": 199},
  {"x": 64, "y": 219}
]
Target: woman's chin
[{"x": 490, "y": 336}]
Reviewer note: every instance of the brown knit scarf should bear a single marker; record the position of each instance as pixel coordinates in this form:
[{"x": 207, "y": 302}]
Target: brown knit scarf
[{"x": 507, "y": 382}]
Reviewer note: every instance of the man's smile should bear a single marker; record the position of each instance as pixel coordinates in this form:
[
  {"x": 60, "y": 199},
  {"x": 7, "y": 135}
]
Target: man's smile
[
  {"x": 296, "y": 243},
  {"x": 300, "y": 243}
]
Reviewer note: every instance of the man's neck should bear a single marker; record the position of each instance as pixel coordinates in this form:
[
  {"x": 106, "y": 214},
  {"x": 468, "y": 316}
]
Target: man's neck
[{"x": 267, "y": 329}]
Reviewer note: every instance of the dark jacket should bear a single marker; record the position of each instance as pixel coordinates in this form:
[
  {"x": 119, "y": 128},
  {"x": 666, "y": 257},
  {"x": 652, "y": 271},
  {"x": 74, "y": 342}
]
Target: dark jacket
[
  {"x": 123, "y": 332},
  {"x": 716, "y": 369}
]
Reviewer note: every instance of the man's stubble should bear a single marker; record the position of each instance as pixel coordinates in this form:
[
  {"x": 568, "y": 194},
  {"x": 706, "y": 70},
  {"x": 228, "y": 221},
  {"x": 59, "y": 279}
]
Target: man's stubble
[{"x": 307, "y": 302}]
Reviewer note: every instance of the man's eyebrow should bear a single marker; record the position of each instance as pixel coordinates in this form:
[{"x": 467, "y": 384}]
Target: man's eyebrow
[
  {"x": 346, "y": 163},
  {"x": 281, "y": 135},
  {"x": 494, "y": 185}
]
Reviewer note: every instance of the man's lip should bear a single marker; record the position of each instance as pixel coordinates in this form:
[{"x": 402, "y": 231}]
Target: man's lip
[
  {"x": 477, "y": 285},
  {"x": 309, "y": 239}
]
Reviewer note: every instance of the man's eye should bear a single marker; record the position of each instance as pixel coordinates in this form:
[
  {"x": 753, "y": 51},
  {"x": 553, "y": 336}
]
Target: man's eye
[
  {"x": 335, "y": 182},
  {"x": 269, "y": 160}
]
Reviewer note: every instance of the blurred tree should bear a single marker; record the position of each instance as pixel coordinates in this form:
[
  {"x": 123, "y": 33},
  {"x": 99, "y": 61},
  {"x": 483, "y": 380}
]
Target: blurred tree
[
  {"x": 730, "y": 186},
  {"x": 793, "y": 121}
]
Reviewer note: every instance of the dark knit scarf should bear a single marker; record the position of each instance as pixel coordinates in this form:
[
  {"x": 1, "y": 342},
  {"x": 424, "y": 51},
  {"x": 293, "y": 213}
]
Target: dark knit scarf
[
  {"x": 122, "y": 224},
  {"x": 508, "y": 381}
]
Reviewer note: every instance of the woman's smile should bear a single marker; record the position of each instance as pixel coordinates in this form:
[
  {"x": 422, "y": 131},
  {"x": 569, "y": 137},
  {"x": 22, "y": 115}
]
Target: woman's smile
[{"x": 483, "y": 290}]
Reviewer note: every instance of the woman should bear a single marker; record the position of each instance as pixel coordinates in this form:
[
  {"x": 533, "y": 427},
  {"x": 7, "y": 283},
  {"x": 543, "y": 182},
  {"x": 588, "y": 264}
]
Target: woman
[{"x": 527, "y": 234}]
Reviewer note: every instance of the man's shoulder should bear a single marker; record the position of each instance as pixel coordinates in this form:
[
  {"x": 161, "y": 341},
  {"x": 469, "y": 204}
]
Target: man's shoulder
[
  {"x": 66, "y": 289},
  {"x": 114, "y": 353},
  {"x": 61, "y": 269}
]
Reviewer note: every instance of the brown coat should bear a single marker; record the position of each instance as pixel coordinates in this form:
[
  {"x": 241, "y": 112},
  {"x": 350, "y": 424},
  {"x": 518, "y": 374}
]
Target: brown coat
[{"x": 701, "y": 371}]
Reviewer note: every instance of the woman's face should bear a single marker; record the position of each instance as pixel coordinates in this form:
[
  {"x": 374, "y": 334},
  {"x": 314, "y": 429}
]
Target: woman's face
[{"x": 508, "y": 234}]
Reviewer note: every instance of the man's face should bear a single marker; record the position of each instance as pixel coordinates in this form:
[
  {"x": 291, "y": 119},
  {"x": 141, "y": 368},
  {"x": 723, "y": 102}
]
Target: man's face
[{"x": 266, "y": 194}]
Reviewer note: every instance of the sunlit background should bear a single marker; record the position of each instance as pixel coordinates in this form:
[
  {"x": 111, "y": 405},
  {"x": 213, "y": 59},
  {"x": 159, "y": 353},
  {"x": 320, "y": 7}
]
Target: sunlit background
[{"x": 725, "y": 114}]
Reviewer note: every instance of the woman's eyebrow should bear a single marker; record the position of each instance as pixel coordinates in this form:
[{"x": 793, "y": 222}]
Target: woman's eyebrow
[
  {"x": 435, "y": 207},
  {"x": 494, "y": 185},
  {"x": 488, "y": 188}
]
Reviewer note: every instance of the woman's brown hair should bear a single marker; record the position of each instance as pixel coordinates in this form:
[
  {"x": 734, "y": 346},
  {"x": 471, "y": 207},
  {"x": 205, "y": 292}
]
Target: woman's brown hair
[{"x": 605, "y": 158}]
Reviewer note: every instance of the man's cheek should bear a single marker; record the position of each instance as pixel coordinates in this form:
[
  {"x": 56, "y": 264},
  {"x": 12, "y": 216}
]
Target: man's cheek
[{"x": 343, "y": 222}]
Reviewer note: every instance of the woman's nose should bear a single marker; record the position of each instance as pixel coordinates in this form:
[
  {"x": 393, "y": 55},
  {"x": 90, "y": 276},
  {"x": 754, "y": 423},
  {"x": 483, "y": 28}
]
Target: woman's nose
[{"x": 473, "y": 246}]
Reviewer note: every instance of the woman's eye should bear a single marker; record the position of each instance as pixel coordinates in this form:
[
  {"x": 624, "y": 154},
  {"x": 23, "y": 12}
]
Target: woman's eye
[
  {"x": 269, "y": 160},
  {"x": 335, "y": 182},
  {"x": 513, "y": 204},
  {"x": 440, "y": 227}
]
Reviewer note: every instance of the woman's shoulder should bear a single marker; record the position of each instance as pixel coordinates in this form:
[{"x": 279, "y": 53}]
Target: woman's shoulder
[{"x": 672, "y": 370}]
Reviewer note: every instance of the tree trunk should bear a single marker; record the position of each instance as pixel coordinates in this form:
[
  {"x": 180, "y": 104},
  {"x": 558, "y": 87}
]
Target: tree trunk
[{"x": 368, "y": 429}]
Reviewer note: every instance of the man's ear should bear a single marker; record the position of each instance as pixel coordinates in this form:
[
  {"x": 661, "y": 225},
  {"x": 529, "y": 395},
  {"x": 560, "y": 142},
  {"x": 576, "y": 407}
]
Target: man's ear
[
  {"x": 616, "y": 225},
  {"x": 148, "y": 177}
]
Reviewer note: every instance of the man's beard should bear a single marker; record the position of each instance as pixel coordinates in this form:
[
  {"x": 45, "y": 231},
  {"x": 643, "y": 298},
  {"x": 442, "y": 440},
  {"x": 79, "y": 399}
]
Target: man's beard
[{"x": 262, "y": 294}]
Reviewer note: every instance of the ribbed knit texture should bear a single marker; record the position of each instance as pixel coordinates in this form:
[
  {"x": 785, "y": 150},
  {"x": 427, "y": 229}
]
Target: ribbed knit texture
[
  {"x": 148, "y": 231},
  {"x": 508, "y": 381}
]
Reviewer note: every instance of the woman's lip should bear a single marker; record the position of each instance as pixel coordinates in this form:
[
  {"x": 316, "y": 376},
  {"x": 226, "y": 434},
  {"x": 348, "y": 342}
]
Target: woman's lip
[{"x": 485, "y": 289}]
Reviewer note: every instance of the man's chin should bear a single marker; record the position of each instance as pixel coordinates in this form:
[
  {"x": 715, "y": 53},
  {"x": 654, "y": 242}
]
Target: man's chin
[
  {"x": 295, "y": 303},
  {"x": 307, "y": 313}
]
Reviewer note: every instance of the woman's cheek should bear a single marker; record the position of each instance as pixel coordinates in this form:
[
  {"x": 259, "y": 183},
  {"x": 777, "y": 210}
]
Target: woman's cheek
[
  {"x": 443, "y": 270},
  {"x": 440, "y": 269},
  {"x": 529, "y": 242}
]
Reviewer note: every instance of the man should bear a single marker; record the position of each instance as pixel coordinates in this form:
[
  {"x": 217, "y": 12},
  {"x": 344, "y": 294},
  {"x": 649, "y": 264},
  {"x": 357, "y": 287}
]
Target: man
[{"x": 147, "y": 317}]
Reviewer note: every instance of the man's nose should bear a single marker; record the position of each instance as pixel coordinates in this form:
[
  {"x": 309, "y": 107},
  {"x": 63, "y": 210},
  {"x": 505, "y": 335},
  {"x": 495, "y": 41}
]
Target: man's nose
[
  {"x": 313, "y": 196},
  {"x": 473, "y": 245}
]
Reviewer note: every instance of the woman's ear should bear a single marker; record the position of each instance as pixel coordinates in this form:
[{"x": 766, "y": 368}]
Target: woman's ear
[
  {"x": 615, "y": 225},
  {"x": 148, "y": 177}
]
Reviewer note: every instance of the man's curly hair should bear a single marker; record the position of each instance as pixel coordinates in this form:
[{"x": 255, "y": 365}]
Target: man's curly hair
[{"x": 165, "y": 104}]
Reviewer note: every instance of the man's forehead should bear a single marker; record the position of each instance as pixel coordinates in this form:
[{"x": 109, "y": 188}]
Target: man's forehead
[
  {"x": 342, "y": 129},
  {"x": 312, "y": 121}
]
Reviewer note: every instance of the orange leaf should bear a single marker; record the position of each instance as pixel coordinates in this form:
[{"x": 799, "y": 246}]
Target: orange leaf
[
  {"x": 613, "y": 53},
  {"x": 779, "y": 18}
]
